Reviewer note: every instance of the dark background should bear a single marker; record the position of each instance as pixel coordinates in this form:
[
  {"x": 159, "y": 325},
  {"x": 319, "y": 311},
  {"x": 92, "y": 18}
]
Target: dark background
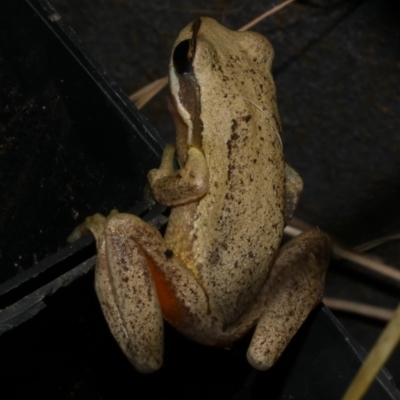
[{"x": 337, "y": 69}]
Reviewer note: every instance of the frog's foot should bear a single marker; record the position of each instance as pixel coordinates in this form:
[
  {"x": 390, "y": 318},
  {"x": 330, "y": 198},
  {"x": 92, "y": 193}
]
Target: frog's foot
[
  {"x": 295, "y": 287},
  {"x": 94, "y": 223}
]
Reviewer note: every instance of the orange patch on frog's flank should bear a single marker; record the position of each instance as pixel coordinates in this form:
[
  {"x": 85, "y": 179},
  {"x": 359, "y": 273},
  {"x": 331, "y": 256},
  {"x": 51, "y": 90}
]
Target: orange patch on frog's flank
[{"x": 171, "y": 307}]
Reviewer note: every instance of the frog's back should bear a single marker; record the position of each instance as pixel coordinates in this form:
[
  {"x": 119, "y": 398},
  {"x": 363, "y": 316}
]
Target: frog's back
[
  {"x": 240, "y": 222},
  {"x": 237, "y": 227}
]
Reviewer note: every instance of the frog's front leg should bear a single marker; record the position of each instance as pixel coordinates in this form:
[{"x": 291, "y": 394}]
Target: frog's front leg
[
  {"x": 188, "y": 184},
  {"x": 295, "y": 287},
  {"x": 138, "y": 280}
]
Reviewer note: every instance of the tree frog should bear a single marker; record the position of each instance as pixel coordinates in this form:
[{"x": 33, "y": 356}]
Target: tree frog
[{"x": 220, "y": 269}]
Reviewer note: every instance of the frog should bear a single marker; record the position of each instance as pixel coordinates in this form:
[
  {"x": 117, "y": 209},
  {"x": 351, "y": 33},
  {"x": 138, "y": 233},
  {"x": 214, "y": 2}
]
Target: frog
[{"x": 220, "y": 270}]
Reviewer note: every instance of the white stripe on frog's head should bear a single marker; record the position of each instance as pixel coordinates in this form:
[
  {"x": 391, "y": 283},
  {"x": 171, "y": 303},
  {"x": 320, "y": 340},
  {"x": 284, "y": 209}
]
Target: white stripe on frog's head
[{"x": 175, "y": 88}]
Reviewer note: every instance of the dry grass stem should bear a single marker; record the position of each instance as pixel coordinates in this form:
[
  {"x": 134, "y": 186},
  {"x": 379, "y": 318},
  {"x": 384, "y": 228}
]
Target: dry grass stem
[
  {"x": 375, "y": 243},
  {"x": 340, "y": 251},
  {"x": 265, "y": 15},
  {"x": 366, "y": 310},
  {"x": 367, "y": 262},
  {"x": 379, "y": 354},
  {"x": 142, "y": 96}
]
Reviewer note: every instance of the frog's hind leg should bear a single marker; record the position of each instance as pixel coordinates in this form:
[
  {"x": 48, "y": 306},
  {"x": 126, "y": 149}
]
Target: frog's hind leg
[
  {"x": 138, "y": 280},
  {"x": 295, "y": 287},
  {"x": 125, "y": 292}
]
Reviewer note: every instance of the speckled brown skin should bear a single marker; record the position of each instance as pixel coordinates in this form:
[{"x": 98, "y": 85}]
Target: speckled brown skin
[
  {"x": 295, "y": 286},
  {"x": 229, "y": 237},
  {"x": 218, "y": 270}
]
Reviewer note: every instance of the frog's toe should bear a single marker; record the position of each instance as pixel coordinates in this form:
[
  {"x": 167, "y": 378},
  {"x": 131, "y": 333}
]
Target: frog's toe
[
  {"x": 94, "y": 223},
  {"x": 77, "y": 233},
  {"x": 260, "y": 364}
]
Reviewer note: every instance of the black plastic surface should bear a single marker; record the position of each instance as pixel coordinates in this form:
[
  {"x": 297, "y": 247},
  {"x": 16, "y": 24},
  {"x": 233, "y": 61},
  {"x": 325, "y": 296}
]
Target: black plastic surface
[
  {"x": 71, "y": 141},
  {"x": 67, "y": 351}
]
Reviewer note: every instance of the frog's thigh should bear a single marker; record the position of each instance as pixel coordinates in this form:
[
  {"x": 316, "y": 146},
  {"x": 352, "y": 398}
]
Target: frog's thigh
[
  {"x": 295, "y": 288},
  {"x": 137, "y": 281},
  {"x": 128, "y": 297}
]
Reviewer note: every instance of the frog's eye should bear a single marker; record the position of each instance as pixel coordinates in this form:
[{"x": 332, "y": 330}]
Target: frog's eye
[{"x": 183, "y": 56}]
